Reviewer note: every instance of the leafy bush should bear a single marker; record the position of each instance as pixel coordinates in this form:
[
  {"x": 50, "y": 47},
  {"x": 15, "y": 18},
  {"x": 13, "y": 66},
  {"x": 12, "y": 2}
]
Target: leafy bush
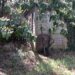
[
  {"x": 64, "y": 32},
  {"x": 20, "y": 32},
  {"x": 25, "y": 6},
  {"x": 17, "y": 5},
  {"x": 6, "y": 32},
  {"x": 15, "y": 19},
  {"x": 23, "y": 32},
  {"x": 7, "y": 9}
]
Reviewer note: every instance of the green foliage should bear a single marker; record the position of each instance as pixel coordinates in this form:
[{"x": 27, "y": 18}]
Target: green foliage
[
  {"x": 33, "y": 5},
  {"x": 17, "y": 5},
  {"x": 25, "y": 6},
  {"x": 21, "y": 31},
  {"x": 73, "y": 5},
  {"x": 43, "y": 7},
  {"x": 59, "y": 8},
  {"x": 63, "y": 32},
  {"x": 6, "y": 32},
  {"x": 15, "y": 19},
  {"x": 7, "y": 9},
  {"x": 24, "y": 32},
  {"x": 71, "y": 36}
]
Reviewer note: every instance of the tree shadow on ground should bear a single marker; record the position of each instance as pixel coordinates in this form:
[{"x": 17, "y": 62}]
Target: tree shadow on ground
[{"x": 11, "y": 63}]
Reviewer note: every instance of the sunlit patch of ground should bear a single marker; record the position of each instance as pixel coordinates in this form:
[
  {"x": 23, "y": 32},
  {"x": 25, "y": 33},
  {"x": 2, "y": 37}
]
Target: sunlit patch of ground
[{"x": 56, "y": 66}]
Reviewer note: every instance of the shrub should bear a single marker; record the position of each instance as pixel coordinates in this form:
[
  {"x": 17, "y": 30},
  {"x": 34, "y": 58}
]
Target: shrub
[
  {"x": 6, "y": 32},
  {"x": 7, "y": 9},
  {"x": 21, "y": 32},
  {"x": 25, "y": 6}
]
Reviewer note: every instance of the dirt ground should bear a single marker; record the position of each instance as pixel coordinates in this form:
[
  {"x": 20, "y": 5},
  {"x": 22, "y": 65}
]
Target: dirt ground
[{"x": 12, "y": 64}]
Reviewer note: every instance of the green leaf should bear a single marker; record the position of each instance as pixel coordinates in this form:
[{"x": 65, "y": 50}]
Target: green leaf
[{"x": 25, "y": 6}]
